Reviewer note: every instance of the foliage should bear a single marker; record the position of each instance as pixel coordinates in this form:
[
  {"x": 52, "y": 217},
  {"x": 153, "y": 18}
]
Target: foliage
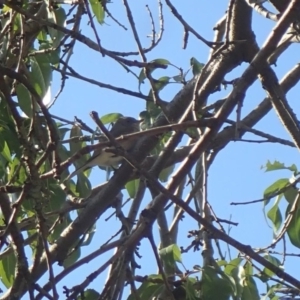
[{"x": 49, "y": 217}]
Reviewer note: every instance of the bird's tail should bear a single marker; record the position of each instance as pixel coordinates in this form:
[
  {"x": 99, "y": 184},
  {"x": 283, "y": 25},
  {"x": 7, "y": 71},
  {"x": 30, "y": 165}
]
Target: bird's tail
[{"x": 77, "y": 171}]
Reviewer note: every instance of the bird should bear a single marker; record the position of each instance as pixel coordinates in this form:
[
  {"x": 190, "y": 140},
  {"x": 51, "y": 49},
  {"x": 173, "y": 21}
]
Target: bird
[{"x": 103, "y": 158}]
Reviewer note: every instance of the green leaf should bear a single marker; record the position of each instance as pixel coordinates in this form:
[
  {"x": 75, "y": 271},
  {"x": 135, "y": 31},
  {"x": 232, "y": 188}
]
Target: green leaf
[
  {"x": 290, "y": 194},
  {"x": 190, "y": 288},
  {"x": 57, "y": 196},
  {"x": 42, "y": 36},
  {"x": 62, "y": 132},
  {"x": 146, "y": 117},
  {"x": 51, "y": 18},
  {"x": 110, "y": 118},
  {"x": 165, "y": 173},
  {"x": 274, "y": 214},
  {"x": 221, "y": 263},
  {"x": 7, "y": 269},
  {"x": 132, "y": 187},
  {"x": 72, "y": 258},
  {"x": 57, "y": 16},
  {"x": 275, "y": 188},
  {"x": 72, "y": 187},
  {"x": 98, "y": 10},
  {"x": 176, "y": 253},
  {"x": 6, "y": 120},
  {"x": 60, "y": 17},
  {"x": 83, "y": 186},
  {"x": 192, "y": 133},
  {"x": 248, "y": 268},
  {"x": 14, "y": 167},
  {"x": 161, "y": 83},
  {"x": 293, "y": 229},
  {"x": 157, "y": 62},
  {"x": 59, "y": 228},
  {"x": 239, "y": 276},
  {"x": 233, "y": 264},
  {"x": 54, "y": 55},
  {"x": 196, "y": 66},
  {"x": 153, "y": 110},
  {"x": 77, "y": 146},
  {"x": 64, "y": 154},
  {"x": 273, "y": 260},
  {"x": 216, "y": 285},
  {"x": 3, "y": 170},
  {"x": 272, "y": 291},
  {"x": 17, "y": 23},
  {"x": 150, "y": 288},
  {"x": 9, "y": 136},
  {"x": 165, "y": 138},
  {"x": 178, "y": 78},
  {"x": 276, "y": 165},
  {"x": 250, "y": 291},
  {"x": 36, "y": 77},
  {"x": 43, "y": 62},
  {"x": 262, "y": 277},
  {"x": 170, "y": 255},
  {"x": 53, "y": 203},
  {"x": 89, "y": 294},
  {"x": 5, "y": 152},
  {"x": 2, "y": 137},
  {"x": 24, "y": 100}
]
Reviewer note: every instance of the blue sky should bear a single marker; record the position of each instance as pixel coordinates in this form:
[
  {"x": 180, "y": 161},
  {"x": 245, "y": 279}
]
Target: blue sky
[{"x": 236, "y": 174}]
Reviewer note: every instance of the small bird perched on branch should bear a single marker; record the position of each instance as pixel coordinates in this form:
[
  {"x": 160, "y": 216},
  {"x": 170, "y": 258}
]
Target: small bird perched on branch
[{"x": 103, "y": 158}]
